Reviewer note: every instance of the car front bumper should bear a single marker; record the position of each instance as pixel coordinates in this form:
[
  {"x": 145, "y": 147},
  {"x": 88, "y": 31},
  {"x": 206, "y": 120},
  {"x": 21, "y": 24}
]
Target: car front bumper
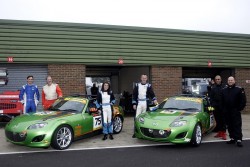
[
  {"x": 173, "y": 135},
  {"x": 29, "y": 138}
]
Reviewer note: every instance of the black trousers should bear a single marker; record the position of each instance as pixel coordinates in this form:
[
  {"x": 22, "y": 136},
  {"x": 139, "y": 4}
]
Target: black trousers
[
  {"x": 234, "y": 124},
  {"x": 220, "y": 119}
]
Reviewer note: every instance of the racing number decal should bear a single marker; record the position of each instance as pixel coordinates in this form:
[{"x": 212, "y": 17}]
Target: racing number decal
[{"x": 97, "y": 122}]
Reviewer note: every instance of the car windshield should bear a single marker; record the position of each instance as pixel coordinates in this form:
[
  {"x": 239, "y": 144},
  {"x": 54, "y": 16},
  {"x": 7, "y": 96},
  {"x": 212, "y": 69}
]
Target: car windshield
[
  {"x": 68, "y": 105},
  {"x": 187, "y": 104}
]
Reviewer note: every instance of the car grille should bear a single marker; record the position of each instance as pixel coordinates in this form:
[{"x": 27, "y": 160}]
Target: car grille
[
  {"x": 15, "y": 137},
  {"x": 154, "y": 133},
  {"x": 7, "y": 106}
]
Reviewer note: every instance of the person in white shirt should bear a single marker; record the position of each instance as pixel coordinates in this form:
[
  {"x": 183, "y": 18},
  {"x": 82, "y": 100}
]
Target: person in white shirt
[{"x": 50, "y": 93}]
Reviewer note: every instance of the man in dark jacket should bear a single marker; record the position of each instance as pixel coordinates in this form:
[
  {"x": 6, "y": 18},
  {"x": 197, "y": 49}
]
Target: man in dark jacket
[
  {"x": 215, "y": 97},
  {"x": 233, "y": 102}
]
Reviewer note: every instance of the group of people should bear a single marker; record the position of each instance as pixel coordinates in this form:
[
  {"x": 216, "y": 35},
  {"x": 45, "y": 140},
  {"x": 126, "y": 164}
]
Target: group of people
[
  {"x": 228, "y": 102},
  {"x": 142, "y": 92},
  {"x": 30, "y": 96},
  {"x": 105, "y": 99}
]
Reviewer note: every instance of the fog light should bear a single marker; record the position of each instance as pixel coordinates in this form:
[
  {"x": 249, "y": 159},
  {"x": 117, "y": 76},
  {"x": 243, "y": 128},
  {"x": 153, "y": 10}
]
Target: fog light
[
  {"x": 161, "y": 132},
  {"x": 38, "y": 138}
]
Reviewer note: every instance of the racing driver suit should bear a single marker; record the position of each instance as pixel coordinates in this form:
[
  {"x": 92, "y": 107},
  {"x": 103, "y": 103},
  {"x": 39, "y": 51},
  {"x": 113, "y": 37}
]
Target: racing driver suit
[
  {"x": 141, "y": 95},
  {"x": 49, "y": 94},
  {"x": 29, "y": 96}
]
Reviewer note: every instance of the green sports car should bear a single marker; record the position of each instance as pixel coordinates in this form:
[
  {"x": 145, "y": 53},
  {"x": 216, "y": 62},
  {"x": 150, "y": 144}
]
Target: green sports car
[
  {"x": 178, "y": 119},
  {"x": 69, "y": 119}
]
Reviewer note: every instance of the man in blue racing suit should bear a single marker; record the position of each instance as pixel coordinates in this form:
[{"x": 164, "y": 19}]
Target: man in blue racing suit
[{"x": 29, "y": 95}]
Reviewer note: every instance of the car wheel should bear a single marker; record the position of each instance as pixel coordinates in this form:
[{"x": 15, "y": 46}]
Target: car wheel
[
  {"x": 197, "y": 135},
  {"x": 62, "y": 137},
  {"x": 117, "y": 124}
]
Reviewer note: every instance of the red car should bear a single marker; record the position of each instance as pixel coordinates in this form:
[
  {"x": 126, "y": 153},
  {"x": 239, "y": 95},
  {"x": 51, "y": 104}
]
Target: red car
[{"x": 10, "y": 105}]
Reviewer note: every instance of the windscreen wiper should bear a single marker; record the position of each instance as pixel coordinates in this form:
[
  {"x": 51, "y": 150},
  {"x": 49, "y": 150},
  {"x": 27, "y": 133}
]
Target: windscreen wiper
[
  {"x": 171, "y": 108},
  {"x": 187, "y": 109},
  {"x": 73, "y": 110}
]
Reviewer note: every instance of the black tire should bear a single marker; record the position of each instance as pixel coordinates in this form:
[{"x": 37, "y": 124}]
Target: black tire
[
  {"x": 117, "y": 124},
  {"x": 197, "y": 135},
  {"x": 62, "y": 137}
]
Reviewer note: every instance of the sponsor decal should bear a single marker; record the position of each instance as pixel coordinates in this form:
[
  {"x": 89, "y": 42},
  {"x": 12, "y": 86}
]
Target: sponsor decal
[
  {"x": 23, "y": 133},
  {"x": 189, "y": 99},
  {"x": 58, "y": 114},
  {"x": 168, "y": 129},
  {"x": 78, "y": 130},
  {"x": 84, "y": 101},
  {"x": 44, "y": 113}
]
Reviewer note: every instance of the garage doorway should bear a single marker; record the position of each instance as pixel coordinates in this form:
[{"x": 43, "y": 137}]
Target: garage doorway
[
  {"x": 195, "y": 80},
  {"x": 122, "y": 79}
]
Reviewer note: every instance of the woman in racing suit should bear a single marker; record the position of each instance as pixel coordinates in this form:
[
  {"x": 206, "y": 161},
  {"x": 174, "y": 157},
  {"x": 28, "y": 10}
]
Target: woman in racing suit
[{"x": 105, "y": 101}]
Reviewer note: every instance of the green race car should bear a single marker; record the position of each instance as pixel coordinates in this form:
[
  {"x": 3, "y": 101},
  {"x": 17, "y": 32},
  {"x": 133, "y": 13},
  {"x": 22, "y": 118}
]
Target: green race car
[
  {"x": 69, "y": 119},
  {"x": 178, "y": 119}
]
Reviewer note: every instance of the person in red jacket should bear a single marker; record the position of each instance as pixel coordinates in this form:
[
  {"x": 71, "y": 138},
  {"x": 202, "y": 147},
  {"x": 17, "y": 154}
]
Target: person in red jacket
[{"x": 50, "y": 93}]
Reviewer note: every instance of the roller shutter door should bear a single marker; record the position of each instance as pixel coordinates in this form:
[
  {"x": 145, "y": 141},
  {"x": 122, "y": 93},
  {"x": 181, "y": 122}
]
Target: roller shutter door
[{"x": 17, "y": 74}]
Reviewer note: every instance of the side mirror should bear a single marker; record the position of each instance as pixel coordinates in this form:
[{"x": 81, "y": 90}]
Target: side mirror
[
  {"x": 92, "y": 110},
  {"x": 153, "y": 108}
]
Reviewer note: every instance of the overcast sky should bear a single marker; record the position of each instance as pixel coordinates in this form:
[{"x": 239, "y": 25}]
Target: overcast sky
[{"x": 231, "y": 16}]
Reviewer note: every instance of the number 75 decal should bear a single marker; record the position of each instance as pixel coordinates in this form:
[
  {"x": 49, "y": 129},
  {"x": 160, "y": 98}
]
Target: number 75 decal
[{"x": 97, "y": 122}]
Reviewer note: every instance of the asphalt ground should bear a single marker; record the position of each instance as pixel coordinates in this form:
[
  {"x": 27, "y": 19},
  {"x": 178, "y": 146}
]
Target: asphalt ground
[
  {"x": 216, "y": 154},
  {"x": 124, "y": 139}
]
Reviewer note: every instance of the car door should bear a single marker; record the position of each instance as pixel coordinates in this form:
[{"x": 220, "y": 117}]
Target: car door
[
  {"x": 208, "y": 115},
  {"x": 83, "y": 124},
  {"x": 92, "y": 120}
]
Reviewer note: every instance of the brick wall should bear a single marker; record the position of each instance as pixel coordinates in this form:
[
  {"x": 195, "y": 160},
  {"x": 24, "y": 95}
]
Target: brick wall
[
  {"x": 166, "y": 81},
  {"x": 70, "y": 77},
  {"x": 241, "y": 75}
]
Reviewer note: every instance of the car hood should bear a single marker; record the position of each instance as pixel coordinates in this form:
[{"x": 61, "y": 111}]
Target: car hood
[
  {"x": 26, "y": 120},
  {"x": 169, "y": 115}
]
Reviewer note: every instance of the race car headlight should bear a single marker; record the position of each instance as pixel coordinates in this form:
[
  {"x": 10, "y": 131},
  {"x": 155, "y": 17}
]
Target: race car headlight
[
  {"x": 37, "y": 125},
  {"x": 141, "y": 120},
  {"x": 178, "y": 123}
]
